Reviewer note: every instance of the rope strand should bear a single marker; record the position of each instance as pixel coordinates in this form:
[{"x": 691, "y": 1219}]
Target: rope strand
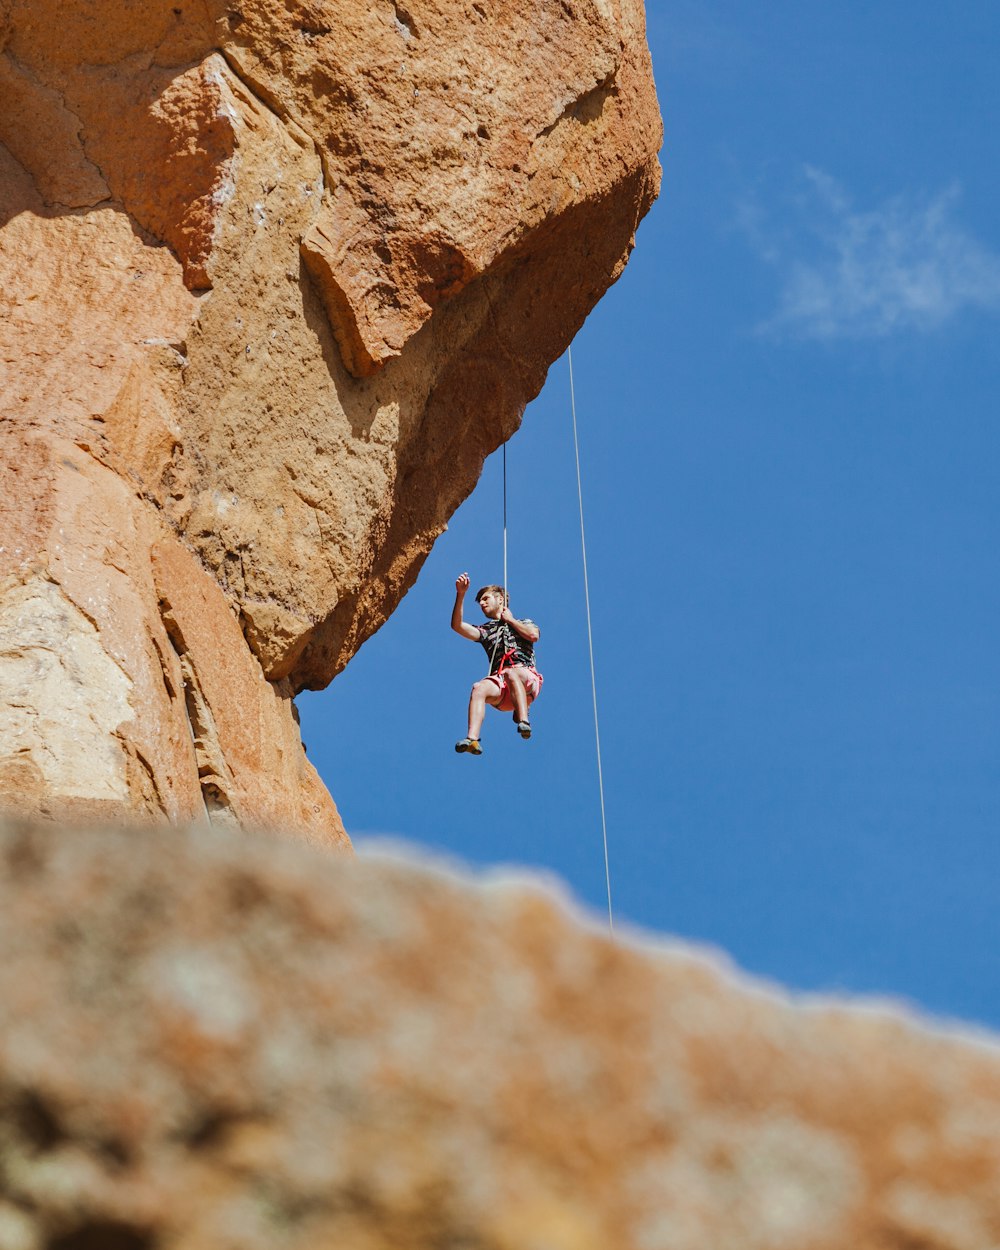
[
  {"x": 506, "y": 588},
  {"x": 590, "y": 638}
]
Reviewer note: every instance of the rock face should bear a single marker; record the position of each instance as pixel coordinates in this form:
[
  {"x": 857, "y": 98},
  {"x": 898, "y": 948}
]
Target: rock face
[
  {"x": 275, "y": 277},
  {"x": 225, "y": 1043}
]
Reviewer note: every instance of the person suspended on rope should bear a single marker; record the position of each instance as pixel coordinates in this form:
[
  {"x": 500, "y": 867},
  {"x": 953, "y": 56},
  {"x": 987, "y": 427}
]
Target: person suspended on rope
[{"x": 513, "y": 682}]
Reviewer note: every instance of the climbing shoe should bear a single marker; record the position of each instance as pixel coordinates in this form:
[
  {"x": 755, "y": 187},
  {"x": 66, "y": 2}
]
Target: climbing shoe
[
  {"x": 469, "y": 744},
  {"x": 523, "y": 728}
]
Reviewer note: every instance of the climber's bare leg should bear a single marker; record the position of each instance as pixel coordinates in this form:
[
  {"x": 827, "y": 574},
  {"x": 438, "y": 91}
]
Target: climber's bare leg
[
  {"x": 518, "y": 693},
  {"x": 483, "y": 692}
]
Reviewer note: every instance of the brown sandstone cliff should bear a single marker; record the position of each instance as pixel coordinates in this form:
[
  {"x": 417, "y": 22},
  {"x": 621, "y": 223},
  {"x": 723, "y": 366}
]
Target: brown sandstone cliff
[
  {"x": 220, "y": 1043},
  {"x": 275, "y": 277}
]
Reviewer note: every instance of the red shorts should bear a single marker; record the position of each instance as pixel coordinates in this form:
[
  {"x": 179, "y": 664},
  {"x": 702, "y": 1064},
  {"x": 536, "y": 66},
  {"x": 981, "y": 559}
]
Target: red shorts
[{"x": 532, "y": 684}]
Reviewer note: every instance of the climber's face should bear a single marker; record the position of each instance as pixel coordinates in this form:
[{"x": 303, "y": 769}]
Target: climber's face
[{"x": 492, "y": 603}]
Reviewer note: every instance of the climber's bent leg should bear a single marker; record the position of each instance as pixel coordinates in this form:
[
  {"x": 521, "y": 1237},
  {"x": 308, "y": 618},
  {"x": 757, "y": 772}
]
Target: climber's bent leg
[{"x": 483, "y": 692}]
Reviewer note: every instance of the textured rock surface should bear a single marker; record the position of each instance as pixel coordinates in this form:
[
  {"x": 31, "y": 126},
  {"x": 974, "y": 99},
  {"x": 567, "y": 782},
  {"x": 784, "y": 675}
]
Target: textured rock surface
[
  {"x": 274, "y": 278},
  {"x": 221, "y": 1041},
  {"x": 126, "y": 685}
]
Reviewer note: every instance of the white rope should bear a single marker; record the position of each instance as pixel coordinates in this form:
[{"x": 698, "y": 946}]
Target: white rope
[
  {"x": 501, "y": 635},
  {"x": 590, "y": 639},
  {"x": 506, "y": 588}
]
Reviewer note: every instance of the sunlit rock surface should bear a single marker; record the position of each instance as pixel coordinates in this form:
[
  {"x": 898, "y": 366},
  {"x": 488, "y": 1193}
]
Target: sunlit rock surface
[{"x": 274, "y": 279}]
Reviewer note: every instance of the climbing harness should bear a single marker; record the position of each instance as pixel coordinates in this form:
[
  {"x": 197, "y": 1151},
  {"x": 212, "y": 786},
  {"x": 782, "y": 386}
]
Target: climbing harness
[
  {"x": 502, "y": 636},
  {"x": 590, "y": 636}
]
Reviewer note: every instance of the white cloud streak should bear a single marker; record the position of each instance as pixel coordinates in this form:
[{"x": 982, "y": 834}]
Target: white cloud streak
[{"x": 847, "y": 273}]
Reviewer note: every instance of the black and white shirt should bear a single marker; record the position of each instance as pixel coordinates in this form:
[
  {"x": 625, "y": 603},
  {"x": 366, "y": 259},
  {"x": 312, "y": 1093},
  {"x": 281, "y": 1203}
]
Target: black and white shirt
[{"x": 500, "y": 639}]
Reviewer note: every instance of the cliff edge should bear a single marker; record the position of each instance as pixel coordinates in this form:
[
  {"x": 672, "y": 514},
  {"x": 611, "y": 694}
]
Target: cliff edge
[{"x": 275, "y": 278}]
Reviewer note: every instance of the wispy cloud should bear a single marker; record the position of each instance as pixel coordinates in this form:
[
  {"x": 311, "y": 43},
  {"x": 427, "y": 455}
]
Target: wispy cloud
[{"x": 846, "y": 272}]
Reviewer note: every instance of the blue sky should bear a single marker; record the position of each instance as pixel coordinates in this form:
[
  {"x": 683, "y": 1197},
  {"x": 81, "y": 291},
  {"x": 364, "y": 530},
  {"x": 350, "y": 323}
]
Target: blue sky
[{"x": 787, "y": 412}]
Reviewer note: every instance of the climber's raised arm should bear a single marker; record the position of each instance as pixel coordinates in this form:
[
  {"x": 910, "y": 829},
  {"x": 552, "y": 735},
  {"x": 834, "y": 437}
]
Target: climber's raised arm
[{"x": 458, "y": 622}]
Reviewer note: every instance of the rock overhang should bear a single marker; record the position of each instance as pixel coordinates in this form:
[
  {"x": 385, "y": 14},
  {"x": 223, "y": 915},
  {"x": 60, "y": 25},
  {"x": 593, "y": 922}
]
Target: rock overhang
[{"x": 316, "y": 260}]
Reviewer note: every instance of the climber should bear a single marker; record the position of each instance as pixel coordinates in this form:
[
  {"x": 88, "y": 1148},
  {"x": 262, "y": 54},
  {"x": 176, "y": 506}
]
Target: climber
[{"x": 513, "y": 682}]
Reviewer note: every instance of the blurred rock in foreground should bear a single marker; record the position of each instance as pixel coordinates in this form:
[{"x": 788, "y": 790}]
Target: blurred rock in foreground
[{"x": 226, "y": 1042}]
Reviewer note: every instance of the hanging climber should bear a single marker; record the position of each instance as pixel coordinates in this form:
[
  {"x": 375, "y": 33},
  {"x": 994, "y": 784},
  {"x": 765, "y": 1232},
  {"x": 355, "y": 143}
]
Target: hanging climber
[{"x": 513, "y": 682}]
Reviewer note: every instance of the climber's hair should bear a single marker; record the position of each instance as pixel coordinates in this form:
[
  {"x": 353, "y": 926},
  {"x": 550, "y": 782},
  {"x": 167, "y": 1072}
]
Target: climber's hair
[{"x": 486, "y": 589}]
